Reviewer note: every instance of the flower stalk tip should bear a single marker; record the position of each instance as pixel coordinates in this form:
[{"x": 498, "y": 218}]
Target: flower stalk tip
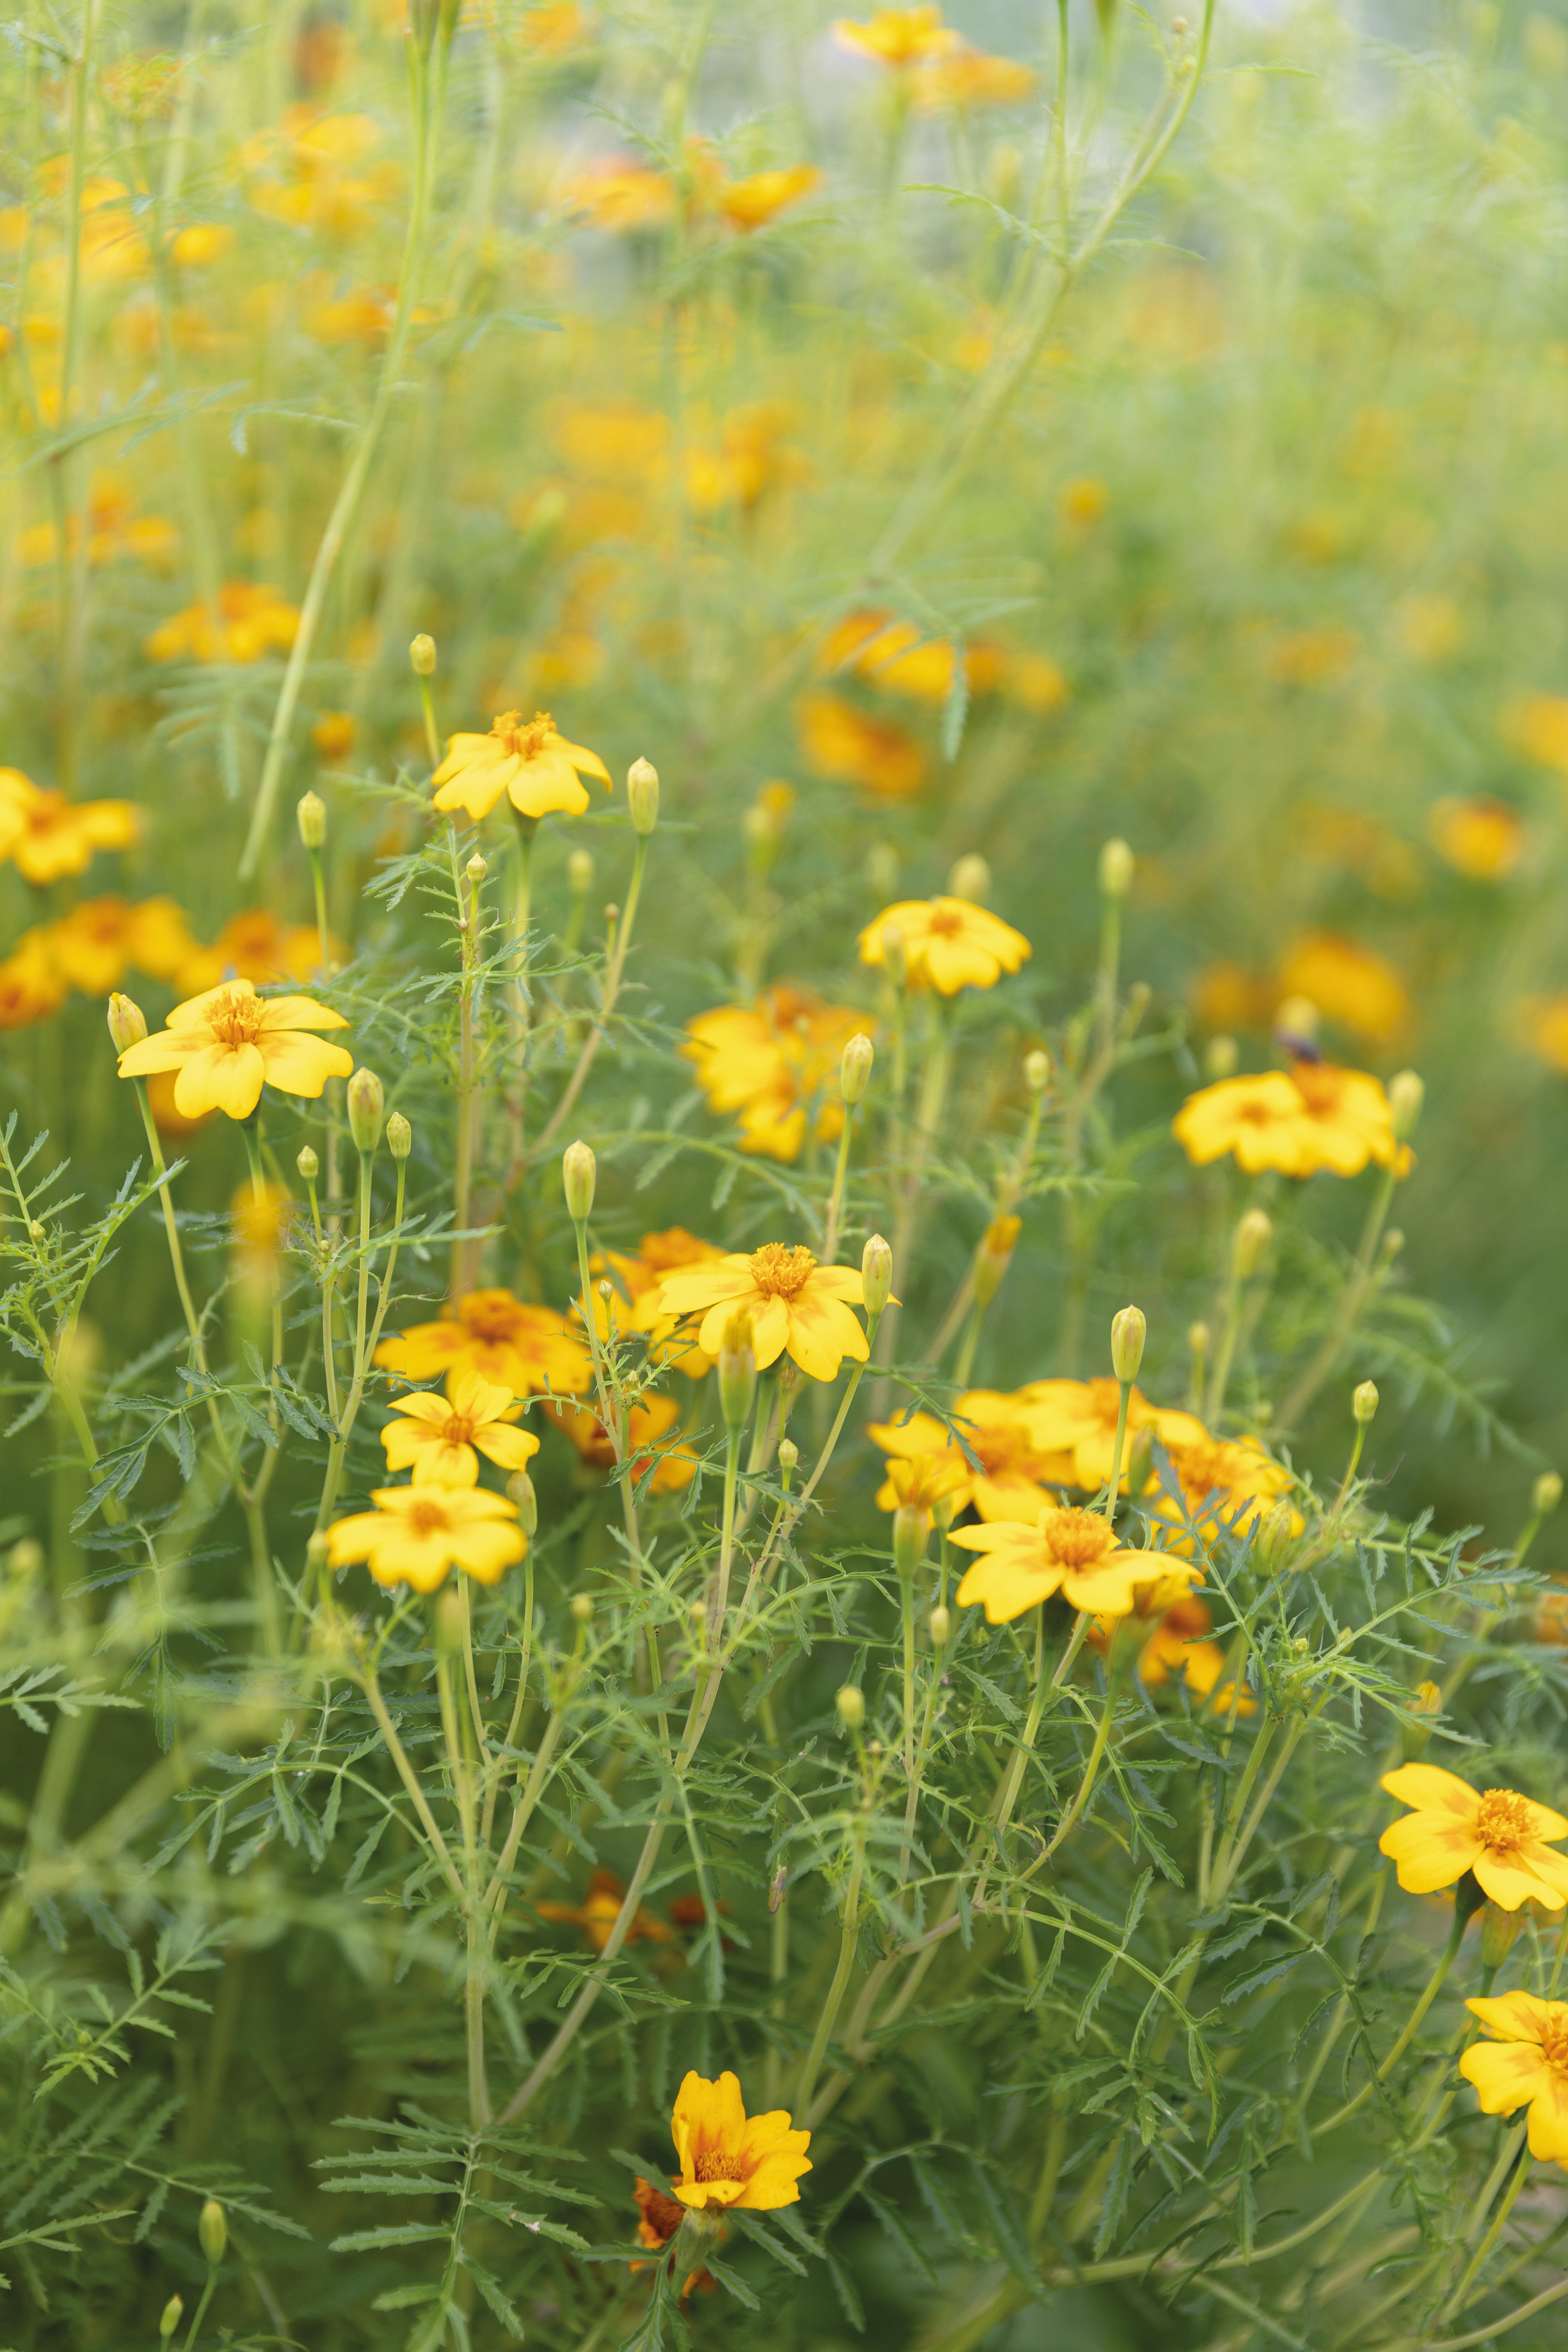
[
  {"x": 1117, "y": 864},
  {"x": 1364, "y": 1402},
  {"x": 311, "y": 817},
  {"x": 367, "y": 1106},
  {"x": 855, "y": 1069},
  {"x": 1127, "y": 1331},
  {"x": 642, "y": 795},
  {"x": 399, "y": 1136},
  {"x": 127, "y": 1023},
  {"x": 851, "y": 1706},
  {"x": 579, "y": 1176},
  {"x": 876, "y": 1276},
  {"x": 212, "y": 2230},
  {"x": 421, "y": 655}
]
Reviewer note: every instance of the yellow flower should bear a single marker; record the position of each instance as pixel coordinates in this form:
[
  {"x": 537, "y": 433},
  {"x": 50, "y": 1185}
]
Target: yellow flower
[
  {"x": 1482, "y": 838},
  {"x": 1499, "y": 1837},
  {"x": 1545, "y": 1020},
  {"x": 441, "y": 1438},
  {"x": 919, "y": 1482},
  {"x": 334, "y": 735},
  {"x": 598, "y": 1911},
  {"x": 1225, "y": 1483},
  {"x": 952, "y": 943},
  {"x": 228, "y": 1042},
  {"x": 252, "y": 619},
  {"x": 1072, "y": 1552},
  {"x": 534, "y": 766},
  {"x": 1525, "y": 2063},
  {"x": 641, "y": 1277},
  {"x": 752, "y": 203},
  {"x": 899, "y": 37},
  {"x": 32, "y": 985},
  {"x": 93, "y": 944},
  {"x": 1014, "y": 1472},
  {"x": 490, "y": 1332},
  {"x": 970, "y": 78},
  {"x": 772, "y": 1062},
  {"x": 1537, "y": 725},
  {"x": 1349, "y": 984},
  {"x": 796, "y": 1306},
  {"x": 651, "y": 1433},
  {"x": 618, "y": 195},
  {"x": 1316, "y": 1117},
  {"x": 852, "y": 748},
  {"x": 1078, "y": 1418},
  {"x": 254, "y": 945},
  {"x": 726, "y": 2159},
  {"x": 1177, "y": 1646},
  {"x": 416, "y": 1534},
  {"x": 48, "y": 837}
]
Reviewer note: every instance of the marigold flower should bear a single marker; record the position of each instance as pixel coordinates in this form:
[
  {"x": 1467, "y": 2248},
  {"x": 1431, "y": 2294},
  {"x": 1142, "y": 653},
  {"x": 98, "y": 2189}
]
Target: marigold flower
[
  {"x": 1482, "y": 838},
  {"x": 1014, "y": 1472},
  {"x": 851, "y": 747},
  {"x": 1537, "y": 725},
  {"x": 769, "y": 1061},
  {"x": 597, "y": 1912},
  {"x": 752, "y": 203},
  {"x": 899, "y": 37},
  {"x": 32, "y": 985},
  {"x": 47, "y": 838},
  {"x": 966, "y": 77},
  {"x": 635, "y": 1279},
  {"x": 1071, "y": 1551},
  {"x": 442, "y": 1437},
  {"x": 1314, "y": 1117},
  {"x": 535, "y": 767},
  {"x": 796, "y": 1306},
  {"x": 1078, "y": 1418},
  {"x": 1349, "y": 984},
  {"x": 417, "y": 1534},
  {"x": 1525, "y": 2063},
  {"x": 620, "y": 197},
  {"x": 1227, "y": 1484},
  {"x": 523, "y": 1349},
  {"x": 651, "y": 1431},
  {"x": 225, "y": 1043},
  {"x": 728, "y": 2160},
  {"x": 254, "y": 945},
  {"x": 919, "y": 1482},
  {"x": 250, "y": 620},
  {"x": 92, "y": 946},
  {"x": 952, "y": 943},
  {"x": 1499, "y": 1836},
  {"x": 1178, "y": 1646}
]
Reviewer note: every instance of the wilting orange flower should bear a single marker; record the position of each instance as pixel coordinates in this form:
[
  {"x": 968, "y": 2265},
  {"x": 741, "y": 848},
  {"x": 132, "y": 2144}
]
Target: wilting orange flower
[
  {"x": 620, "y": 196},
  {"x": 728, "y": 2161},
  {"x": 1077, "y": 1419},
  {"x": 968, "y": 77},
  {"x": 951, "y": 943},
  {"x": 225, "y": 1043},
  {"x": 775, "y": 1062},
  {"x": 32, "y": 985},
  {"x": 1014, "y": 1472},
  {"x": 256, "y": 946},
  {"x": 440, "y": 1438},
  {"x": 1349, "y": 984},
  {"x": 1072, "y": 1552},
  {"x": 47, "y": 838},
  {"x": 251, "y": 620},
  {"x": 661, "y": 2218},
  {"x": 635, "y": 1279},
  {"x": 1482, "y": 838},
  {"x": 852, "y": 747},
  {"x": 899, "y": 37},
  {"x": 797, "y": 1306},
  {"x": 523, "y": 1349},
  {"x": 1524, "y": 2063},
  {"x": 599, "y": 1910},
  {"x": 651, "y": 1433},
  {"x": 1314, "y": 1117},
  {"x": 1178, "y": 1646},
  {"x": 416, "y": 1535},
  {"x": 752, "y": 203},
  {"x": 1500, "y": 1838},
  {"x": 535, "y": 767}
]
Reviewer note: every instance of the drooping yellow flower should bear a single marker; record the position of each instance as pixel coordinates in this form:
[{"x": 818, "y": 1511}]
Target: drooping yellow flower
[
  {"x": 1500, "y": 1836},
  {"x": 952, "y": 943},
  {"x": 652, "y": 1436},
  {"x": 520, "y": 1347},
  {"x": 47, "y": 838},
  {"x": 797, "y": 1306},
  {"x": 1314, "y": 1117},
  {"x": 728, "y": 2160},
  {"x": 1481, "y": 837},
  {"x": 250, "y": 620},
  {"x": 416, "y": 1535},
  {"x": 228, "y": 1043},
  {"x": 535, "y": 767},
  {"x": 1077, "y": 1418},
  {"x": 1073, "y": 1552},
  {"x": 1015, "y": 1473},
  {"x": 899, "y": 37},
  {"x": 440, "y": 1438},
  {"x": 752, "y": 203},
  {"x": 851, "y": 747},
  {"x": 1350, "y": 984},
  {"x": 772, "y": 1062},
  {"x": 1525, "y": 2064}
]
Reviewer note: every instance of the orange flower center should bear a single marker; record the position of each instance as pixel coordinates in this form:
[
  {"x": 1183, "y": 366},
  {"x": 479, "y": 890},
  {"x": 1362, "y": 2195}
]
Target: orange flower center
[
  {"x": 426, "y": 1517},
  {"x": 490, "y": 1314},
  {"x": 1503, "y": 1821},
  {"x": 715, "y": 2164},
  {"x": 1554, "y": 2040},
  {"x": 781, "y": 1271},
  {"x": 459, "y": 1430},
  {"x": 523, "y": 742},
  {"x": 947, "y": 922},
  {"x": 47, "y": 812},
  {"x": 235, "y": 1020},
  {"x": 1319, "y": 1087},
  {"x": 1076, "y": 1538}
]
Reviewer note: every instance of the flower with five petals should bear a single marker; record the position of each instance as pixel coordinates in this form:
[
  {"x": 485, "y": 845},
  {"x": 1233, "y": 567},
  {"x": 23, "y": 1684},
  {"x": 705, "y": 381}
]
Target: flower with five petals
[
  {"x": 416, "y": 1534},
  {"x": 442, "y": 1437},
  {"x": 536, "y": 768},
  {"x": 1498, "y": 1836},
  {"x": 797, "y": 1306},
  {"x": 727, "y": 2158},
  {"x": 225, "y": 1043},
  {"x": 1525, "y": 2063}
]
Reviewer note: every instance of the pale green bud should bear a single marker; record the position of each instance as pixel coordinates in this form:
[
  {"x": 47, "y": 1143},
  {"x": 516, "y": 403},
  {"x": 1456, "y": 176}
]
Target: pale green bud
[
  {"x": 399, "y": 1136},
  {"x": 366, "y": 1104},
  {"x": 312, "y": 814},
  {"x": 737, "y": 1370},
  {"x": 939, "y": 1625},
  {"x": 1116, "y": 867},
  {"x": 582, "y": 1607},
  {"x": 971, "y": 879},
  {"x": 520, "y": 1486},
  {"x": 127, "y": 1023},
  {"x": 213, "y": 2230},
  {"x": 421, "y": 655},
  {"x": 308, "y": 1165},
  {"x": 1127, "y": 1331},
  {"x": 1220, "y": 1058},
  {"x": 876, "y": 1276},
  {"x": 1406, "y": 1093},
  {"x": 1546, "y": 1493},
  {"x": 578, "y": 1173},
  {"x": 642, "y": 795},
  {"x": 172, "y": 2313},
  {"x": 1364, "y": 1404},
  {"x": 855, "y": 1070},
  {"x": 851, "y": 1706},
  {"x": 1254, "y": 1233}
]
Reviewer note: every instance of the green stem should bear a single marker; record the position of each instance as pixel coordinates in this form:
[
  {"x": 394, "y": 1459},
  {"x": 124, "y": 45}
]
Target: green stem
[
  {"x": 828, "y": 2014},
  {"x": 613, "y": 970}
]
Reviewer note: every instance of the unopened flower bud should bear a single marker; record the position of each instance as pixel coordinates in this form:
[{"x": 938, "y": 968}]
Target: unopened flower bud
[
  {"x": 399, "y": 1136},
  {"x": 212, "y": 2230},
  {"x": 366, "y": 1102},
  {"x": 942, "y": 1512},
  {"x": 1220, "y": 1058},
  {"x": 1364, "y": 1404},
  {"x": 476, "y": 869},
  {"x": 579, "y": 1172},
  {"x": 896, "y": 955},
  {"x": 789, "y": 1456},
  {"x": 127, "y": 1023},
  {"x": 994, "y": 1256},
  {"x": 1298, "y": 1018},
  {"x": 421, "y": 655},
  {"x": 1198, "y": 1336},
  {"x": 1116, "y": 864},
  {"x": 1393, "y": 1243},
  {"x": 1406, "y": 1093},
  {"x": 312, "y": 814},
  {"x": 1128, "y": 1332},
  {"x": 1253, "y": 1234},
  {"x": 876, "y": 1276},
  {"x": 939, "y": 1624},
  {"x": 910, "y": 1528},
  {"x": 971, "y": 879},
  {"x": 1271, "y": 1532},
  {"x": 855, "y": 1069},
  {"x": 172, "y": 2313},
  {"x": 642, "y": 795},
  {"x": 520, "y": 1486},
  {"x": 1037, "y": 1070},
  {"x": 851, "y": 1706},
  {"x": 1546, "y": 1494},
  {"x": 1428, "y": 1699},
  {"x": 737, "y": 1369},
  {"x": 582, "y": 1607},
  {"x": 1498, "y": 1929},
  {"x": 580, "y": 872},
  {"x": 308, "y": 1165}
]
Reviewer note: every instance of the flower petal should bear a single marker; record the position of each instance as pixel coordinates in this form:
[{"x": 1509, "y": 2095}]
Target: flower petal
[
  {"x": 1006, "y": 1589},
  {"x": 298, "y": 1064},
  {"x": 1429, "y": 1850},
  {"x": 1516, "y": 2016},
  {"x": 1431, "y": 1790},
  {"x": 220, "y": 1077},
  {"x": 1504, "y": 2074}
]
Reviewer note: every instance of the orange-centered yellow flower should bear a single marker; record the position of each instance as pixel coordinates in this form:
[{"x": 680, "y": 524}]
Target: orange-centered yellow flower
[
  {"x": 1013, "y": 1473},
  {"x": 951, "y": 944},
  {"x": 1078, "y": 1418},
  {"x": 727, "y": 2160},
  {"x": 416, "y": 1534},
  {"x": 1524, "y": 2063},
  {"x": 48, "y": 837},
  {"x": 491, "y": 1332},
  {"x": 796, "y": 1306},
  {"x": 1072, "y": 1552},
  {"x": 775, "y": 1063},
  {"x": 440, "y": 1438},
  {"x": 228, "y": 1043},
  {"x": 1313, "y": 1116},
  {"x": 1499, "y": 1836},
  {"x": 535, "y": 767}
]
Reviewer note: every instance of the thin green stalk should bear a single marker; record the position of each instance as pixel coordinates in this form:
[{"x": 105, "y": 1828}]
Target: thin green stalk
[
  {"x": 1352, "y": 1298},
  {"x": 828, "y": 2014},
  {"x": 613, "y": 970}
]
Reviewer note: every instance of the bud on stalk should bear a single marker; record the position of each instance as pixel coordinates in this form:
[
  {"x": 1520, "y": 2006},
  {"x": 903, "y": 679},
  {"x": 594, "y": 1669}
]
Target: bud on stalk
[
  {"x": 896, "y": 955},
  {"x": 1546, "y": 1493},
  {"x": 1116, "y": 867},
  {"x": 579, "y": 1174},
  {"x": 520, "y": 1486},
  {"x": 476, "y": 869},
  {"x": 212, "y": 2228},
  {"x": 1220, "y": 1058},
  {"x": 312, "y": 814},
  {"x": 127, "y": 1023},
  {"x": 172, "y": 2313},
  {"x": 399, "y": 1136},
  {"x": 994, "y": 1256},
  {"x": 1253, "y": 1234},
  {"x": 582, "y": 1607},
  {"x": 789, "y": 1456},
  {"x": 851, "y": 1706},
  {"x": 737, "y": 1370},
  {"x": 366, "y": 1104},
  {"x": 855, "y": 1069},
  {"x": 421, "y": 655},
  {"x": 1037, "y": 1070},
  {"x": 911, "y": 1529},
  {"x": 939, "y": 1625},
  {"x": 876, "y": 1276},
  {"x": 642, "y": 795},
  {"x": 1406, "y": 1093},
  {"x": 308, "y": 1165},
  {"x": 970, "y": 879},
  {"x": 1128, "y": 1332},
  {"x": 580, "y": 872},
  {"x": 1364, "y": 1404}
]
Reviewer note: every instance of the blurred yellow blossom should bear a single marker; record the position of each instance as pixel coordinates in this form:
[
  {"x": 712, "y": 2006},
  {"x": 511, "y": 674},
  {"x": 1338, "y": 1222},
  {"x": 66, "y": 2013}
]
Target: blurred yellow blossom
[
  {"x": 635, "y": 1279},
  {"x": 1481, "y": 837},
  {"x": 1313, "y": 1116},
  {"x": 1537, "y": 725},
  {"x": 1084, "y": 502},
  {"x": 618, "y": 195},
  {"x": 951, "y": 943},
  {"x": 1179, "y": 1646},
  {"x": 114, "y": 528},
  {"x": 1429, "y": 628},
  {"x": 494, "y": 1334},
  {"x": 1313, "y": 656},
  {"x": 1075, "y": 1421},
  {"x": 899, "y": 36},
  {"x": 1545, "y": 1023},
  {"x": 47, "y": 838},
  {"x": 251, "y": 620},
  {"x": 966, "y": 76},
  {"x": 651, "y": 1433},
  {"x": 773, "y": 1062},
  {"x": 1350, "y": 984},
  {"x": 32, "y": 986},
  {"x": 1015, "y": 1470},
  {"x": 852, "y": 748},
  {"x": 255, "y": 945},
  {"x": 753, "y": 202}
]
